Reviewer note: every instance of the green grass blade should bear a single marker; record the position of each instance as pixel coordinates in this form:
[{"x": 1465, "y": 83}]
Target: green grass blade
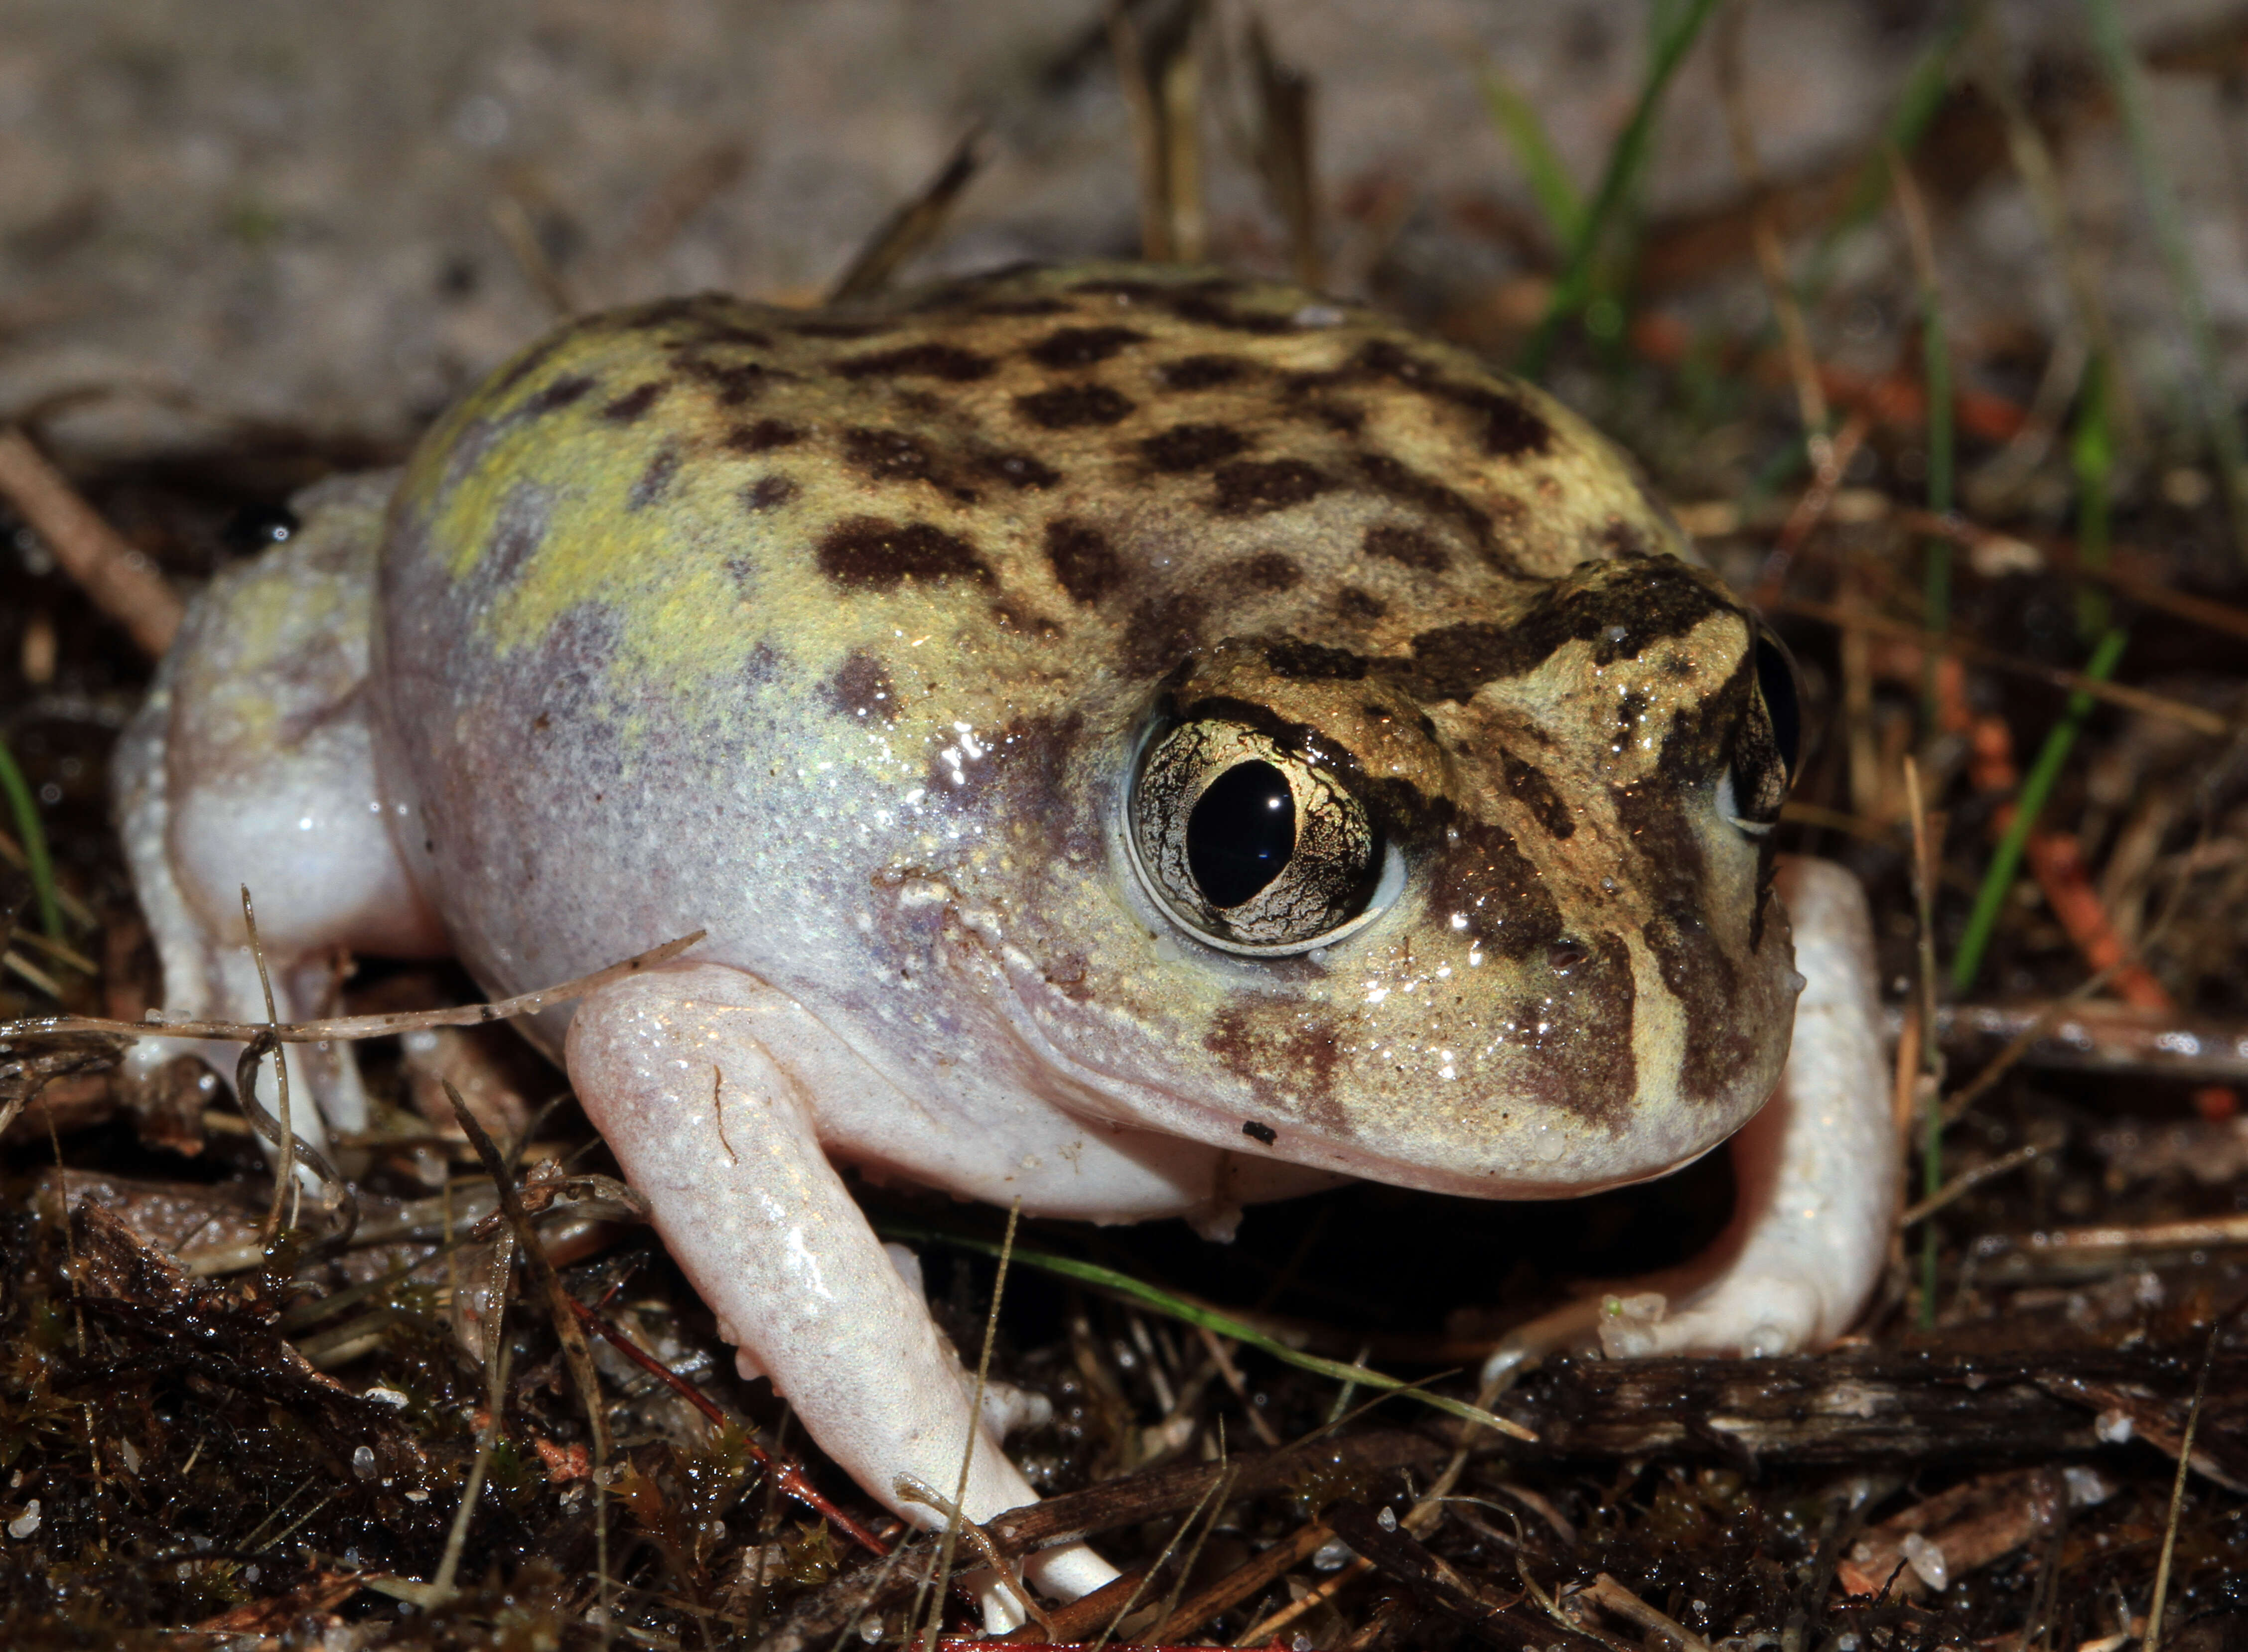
[
  {"x": 1625, "y": 159},
  {"x": 2220, "y": 420},
  {"x": 2092, "y": 455},
  {"x": 2036, "y": 789},
  {"x": 1549, "y": 182},
  {"x": 1188, "y": 1311},
  {"x": 34, "y": 837}
]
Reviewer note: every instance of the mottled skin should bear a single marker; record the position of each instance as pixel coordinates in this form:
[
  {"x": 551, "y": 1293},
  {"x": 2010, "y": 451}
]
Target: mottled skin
[
  {"x": 841, "y": 636},
  {"x": 860, "y": 641}
]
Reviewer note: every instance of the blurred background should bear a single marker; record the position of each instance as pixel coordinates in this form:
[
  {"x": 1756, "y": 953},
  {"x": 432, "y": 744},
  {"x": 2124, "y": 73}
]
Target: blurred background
[{"x": 335, "y": 217}]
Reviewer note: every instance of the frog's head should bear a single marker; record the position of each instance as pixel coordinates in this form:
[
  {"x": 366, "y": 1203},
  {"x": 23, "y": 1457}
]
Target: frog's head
[{"x": 1496, "y": 915}]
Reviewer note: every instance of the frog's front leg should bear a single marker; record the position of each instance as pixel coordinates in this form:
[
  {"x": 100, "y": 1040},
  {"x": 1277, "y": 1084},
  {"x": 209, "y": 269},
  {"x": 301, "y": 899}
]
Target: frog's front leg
[
  {"x": 1817, "y": 1172},
  {"x": 692, "y": 1075}
]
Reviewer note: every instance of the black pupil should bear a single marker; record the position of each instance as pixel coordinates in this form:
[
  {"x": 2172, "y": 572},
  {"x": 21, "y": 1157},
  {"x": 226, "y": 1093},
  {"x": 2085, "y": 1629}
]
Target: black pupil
[{"x": 1241, "y": 833}]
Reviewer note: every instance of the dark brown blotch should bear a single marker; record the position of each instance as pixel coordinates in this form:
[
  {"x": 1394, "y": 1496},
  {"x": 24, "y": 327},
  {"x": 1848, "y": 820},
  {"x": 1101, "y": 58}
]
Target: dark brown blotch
[
  {"x": 1402, "y": 483},
  {"x": 1301, "y": 662},
  {"x": 1537, "y": 793},
  {"x": 627, "y": 408},
  {"x": 763, "y": 436},
  {"x": 1085, "y": 563},
  {"x": 862, "y": 689},
  {"x": 1287, "y": 1059},
  {"x": 655, "y": 481},
  {"x": 945, "y": 362},
  {"x": 817, "y": 328},
  {"x": 1509, "y": 429},
  {"x": 733, "y": 383},
  {"x": 1252, "y": 487},
  {"x": 1083, "y": 346},
  {"x": 1396, "y": 542},
  {"x": 563, "y": 392},
  {"x": 1162, "y": 631},
  {"x": 1072, "y": 406},
  {"x": 870, "y": 553},
  {"x": 886, "y": 456},
  {"x": 1190, "y": 447},
  {"x": 1209, "y": 311},
  {"x": 768, "y": 493},
  {"x": 1202, "y": 372},
  {"x": 1482, "y": 875},
  {"x": 1359, "y": 606}
]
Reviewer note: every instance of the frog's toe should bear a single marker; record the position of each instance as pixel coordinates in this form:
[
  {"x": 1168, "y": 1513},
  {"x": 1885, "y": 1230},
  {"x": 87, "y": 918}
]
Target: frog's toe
[{"x": 1753, "y": 1316}]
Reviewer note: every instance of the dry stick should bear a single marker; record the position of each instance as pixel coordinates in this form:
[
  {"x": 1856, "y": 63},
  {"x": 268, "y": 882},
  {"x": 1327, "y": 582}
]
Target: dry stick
[
  {"x": 575, "y": 1353},
  {"x": 1178, "y": 92},
  {"x": 1132, "y": 1602},
  {"x": 119, "y": 580},
  {"x": 1612, "y": 1596},
  {"x": 2154, "y": 1636},
  {"x": 1810, "y": 508},
  {"x": 2155, "y": 705},
  {"x": 1420, "y": 1520},
  {"x": 783, "y": 1474},
  {"x": 1130, "y": 55},
  {"x": 1285, "y": 153},
  {"x": 1967, "y": 1182},
  {"x": 1166, "y": 1620},
  {"x": 912, "y": 1489},
  {"x": 285, "y": 1177},
  {"x": 457, "y": 1538},
  {"x": 913, "y": 226},
  {"x": 512, "y": 219},
  {"x": 1771, "y": 259},
  {"x": 942, "y": 1569},
  {"x": 1931, "y": 1052},
  {"x": 359, "y": 1026}
]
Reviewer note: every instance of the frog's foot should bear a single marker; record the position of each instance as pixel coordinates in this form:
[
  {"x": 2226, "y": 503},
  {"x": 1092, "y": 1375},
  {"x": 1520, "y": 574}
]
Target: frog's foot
[
  {"x": 1817, "y": 1170},
  {"x": 251, "y": 764},
  {"x": 697, "y": 1076}
]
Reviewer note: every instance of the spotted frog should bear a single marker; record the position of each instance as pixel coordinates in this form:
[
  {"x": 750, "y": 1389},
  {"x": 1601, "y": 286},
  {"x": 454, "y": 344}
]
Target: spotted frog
[{"x": 1138, "y": 741}]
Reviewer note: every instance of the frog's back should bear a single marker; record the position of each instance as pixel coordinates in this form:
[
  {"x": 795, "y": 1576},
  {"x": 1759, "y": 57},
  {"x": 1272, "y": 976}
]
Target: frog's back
[{"x": 1112, "y": 457}]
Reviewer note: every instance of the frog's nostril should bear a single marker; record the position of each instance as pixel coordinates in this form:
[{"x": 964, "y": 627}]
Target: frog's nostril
[{"x": 1565, "y": 954}]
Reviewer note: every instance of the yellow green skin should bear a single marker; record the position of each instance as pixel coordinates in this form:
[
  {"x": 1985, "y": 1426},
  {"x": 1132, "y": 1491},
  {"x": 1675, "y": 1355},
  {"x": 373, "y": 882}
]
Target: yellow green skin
[{"x": 836, "y": 634}]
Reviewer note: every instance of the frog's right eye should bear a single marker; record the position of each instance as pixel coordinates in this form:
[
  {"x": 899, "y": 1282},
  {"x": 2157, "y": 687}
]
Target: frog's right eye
[
  {"x": 1769, "y": 746},
  {"x": 1250, "y": 846}
]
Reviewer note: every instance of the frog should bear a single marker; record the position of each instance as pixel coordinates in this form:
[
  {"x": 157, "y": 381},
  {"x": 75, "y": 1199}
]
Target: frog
[{"x": 1135, "y": 741}]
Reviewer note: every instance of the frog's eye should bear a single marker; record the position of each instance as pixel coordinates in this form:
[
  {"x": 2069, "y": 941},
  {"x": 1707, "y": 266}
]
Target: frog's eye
[
  {"x": 1770, "y": 742},
  {"x": 1252, "y": 847}
]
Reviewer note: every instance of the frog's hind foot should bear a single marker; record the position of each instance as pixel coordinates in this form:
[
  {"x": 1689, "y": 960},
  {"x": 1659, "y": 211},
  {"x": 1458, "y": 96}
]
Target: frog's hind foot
[{"x": 251, "y": 766}]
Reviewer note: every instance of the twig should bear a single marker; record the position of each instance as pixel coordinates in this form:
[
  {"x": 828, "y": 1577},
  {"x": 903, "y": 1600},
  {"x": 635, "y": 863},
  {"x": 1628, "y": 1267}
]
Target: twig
[
  {"x": 913, "y": 226},
  {"x": 358, "y": 1027},
  {"x": 285, "y": 1144},
  {"x": 942, "y": 1567},
  {"x": 575, "y": 1354},
  {"x": 1771, "y": 260},
  {"x": 2153, "y": 1638},
  {"x": 119, "y": 580},
  {"x": 1967, "y": 1182},
  {"x": 2197, "y": 718}
]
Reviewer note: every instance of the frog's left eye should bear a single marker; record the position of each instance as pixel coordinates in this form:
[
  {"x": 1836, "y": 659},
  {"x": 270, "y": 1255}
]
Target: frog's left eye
[
  {"x": 1769, "y": 745},
  {"x": 1251, "y": 846}
]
